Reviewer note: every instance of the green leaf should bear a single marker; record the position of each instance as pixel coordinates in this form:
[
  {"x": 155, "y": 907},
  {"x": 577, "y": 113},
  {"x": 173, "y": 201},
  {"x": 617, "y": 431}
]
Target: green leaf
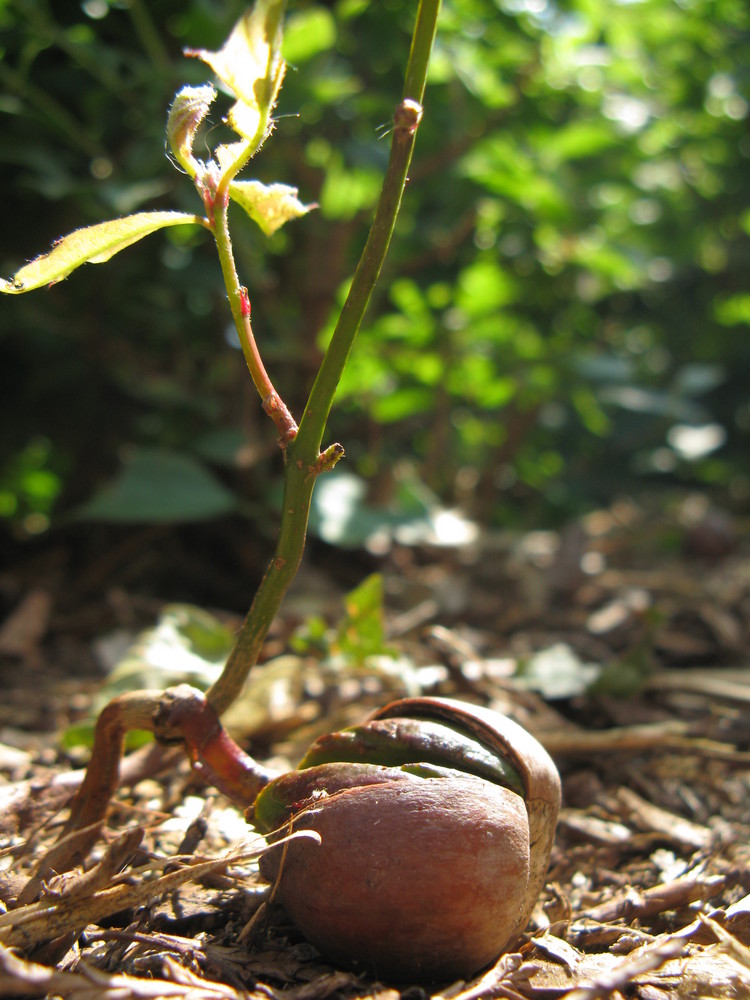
[
  {"x": 733, "y": 310},
  {"x": 348, "y": 191},
  {"x": 408, "y": 401},
  {"x": 251, "y": 66},
  {"x": 341, "y": 517},
  {"x": 578, "y": 140},
  {"x": 92, "y": 245},
  {"x": 484, "y": 287},
  {"x": 188, "y": 645},
  {"x": 229, "y": 153},
  {"x": 82, "y": 735},
  {"x": 307, "y": 33},
  {"x": 158, "y": 485},
  {"x": 227, "y": 446},
  {"x": 270, "y": 205},
  {"x": 361, "y": 633}
]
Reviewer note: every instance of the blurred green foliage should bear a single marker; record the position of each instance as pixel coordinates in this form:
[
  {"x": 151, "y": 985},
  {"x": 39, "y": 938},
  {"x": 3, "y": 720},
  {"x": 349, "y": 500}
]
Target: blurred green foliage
[
  {"x": 357, "y": 637},
  {"x": 565, "y": 311}
]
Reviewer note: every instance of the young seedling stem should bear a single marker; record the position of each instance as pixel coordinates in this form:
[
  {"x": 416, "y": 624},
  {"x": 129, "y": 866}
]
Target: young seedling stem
[{"x": 182, "y": 714}]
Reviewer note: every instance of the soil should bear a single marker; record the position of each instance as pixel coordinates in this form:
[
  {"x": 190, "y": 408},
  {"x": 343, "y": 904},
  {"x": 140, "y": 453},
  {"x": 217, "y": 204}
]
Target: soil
[{"x": 620, "y": 642}]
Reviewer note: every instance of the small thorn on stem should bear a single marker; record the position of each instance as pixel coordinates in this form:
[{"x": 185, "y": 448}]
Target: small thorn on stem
[
  {"x": 407, "y": 116},
  {"x": 245, "y": 307}
]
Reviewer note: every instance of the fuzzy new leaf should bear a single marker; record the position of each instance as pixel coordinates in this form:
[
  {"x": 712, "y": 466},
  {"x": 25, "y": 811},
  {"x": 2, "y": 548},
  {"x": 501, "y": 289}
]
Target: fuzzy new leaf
[
  {"x": 251, "y": 66},
  {"x": 189, "y": 107},
  {"x": 270, "y": 205},
  {"x": 92, "y": 245}
]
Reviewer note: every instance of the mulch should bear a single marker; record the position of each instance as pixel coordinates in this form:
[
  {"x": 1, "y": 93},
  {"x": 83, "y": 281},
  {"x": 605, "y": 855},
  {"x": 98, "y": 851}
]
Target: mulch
[{"x": 648, "y": 893}]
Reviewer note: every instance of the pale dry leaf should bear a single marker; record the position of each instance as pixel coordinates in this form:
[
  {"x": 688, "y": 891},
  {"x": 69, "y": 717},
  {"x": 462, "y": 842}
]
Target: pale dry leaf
[{"x": 639, "y": 962}]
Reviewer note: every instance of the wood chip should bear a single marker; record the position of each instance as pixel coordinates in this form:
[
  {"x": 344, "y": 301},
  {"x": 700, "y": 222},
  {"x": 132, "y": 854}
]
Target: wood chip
[
  {"x": 638, "y": 904},
  {"x": 650, "y": 817}
]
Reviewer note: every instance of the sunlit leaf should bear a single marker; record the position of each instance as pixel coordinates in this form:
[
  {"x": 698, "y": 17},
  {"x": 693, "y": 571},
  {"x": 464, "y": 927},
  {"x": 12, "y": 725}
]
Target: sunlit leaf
[
  {"x": 92, "y": 245},
  {"x": 341, "y": 516},
  {"x": 228, "y": 154},
  {"x": 592, "y": 415},
  {"x": 187, "y": 645},
  {"x": 270, "y": 205},
  {"x": 694, "y": 443},
  {"x": 402, "y": 403},
  {"x": 361, "y": 633},
  {"x": 604, "y": 367},
  {"x": 246, "y": 120},
  {"x": 250, "y": 65},
  {"x": 653, "y": 401},
  {"x": 697, "y": 378},
  {"x": 407, "y": 296},
  {"x": 347, "y": 191},
  {"x": 577, "y": 140}
]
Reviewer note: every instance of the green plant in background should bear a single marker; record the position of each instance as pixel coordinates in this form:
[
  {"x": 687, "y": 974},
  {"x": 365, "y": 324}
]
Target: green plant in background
[
  {"x": 357, "y": 637},
  {"x": 585, "y": 205},
  {"x": 251, "y": 67},
  {"x": 583, "y": 168},
  {"x": 189, "y": 645}
]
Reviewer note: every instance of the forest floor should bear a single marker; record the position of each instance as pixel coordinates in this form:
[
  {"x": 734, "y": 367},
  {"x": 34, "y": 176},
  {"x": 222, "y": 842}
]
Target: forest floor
[{"x": 621, "y": 643}]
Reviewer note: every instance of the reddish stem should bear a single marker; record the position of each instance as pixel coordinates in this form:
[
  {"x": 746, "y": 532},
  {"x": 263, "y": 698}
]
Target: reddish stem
[
  {"x": 278, "y": 411},
  {"x": 212, "y": 751}
]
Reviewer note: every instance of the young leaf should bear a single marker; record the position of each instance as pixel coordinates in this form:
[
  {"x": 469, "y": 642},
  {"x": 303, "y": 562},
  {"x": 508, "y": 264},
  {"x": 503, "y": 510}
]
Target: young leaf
[
  {"x": 229, "y": 153},
  {"x": 270, "y": 205},
  {"x": 250, "y": 64},
  {"x": 189, "y": 108},
  {"x": 361, "y": 633},
  {"x": 92, "y": 245}
]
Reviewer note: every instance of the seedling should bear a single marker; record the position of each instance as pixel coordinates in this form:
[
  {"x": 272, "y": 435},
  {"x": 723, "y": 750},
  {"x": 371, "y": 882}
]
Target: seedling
[{"x": 251, "y": 67}]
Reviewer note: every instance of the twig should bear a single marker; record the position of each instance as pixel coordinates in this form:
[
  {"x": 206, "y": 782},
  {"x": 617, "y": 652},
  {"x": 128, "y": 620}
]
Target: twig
[
  {"x": 637, "y": 904},
  {"x": 22, "y": 978},
  {"x": 48, "y": 919},
  {"x": 670, "y": 735}
]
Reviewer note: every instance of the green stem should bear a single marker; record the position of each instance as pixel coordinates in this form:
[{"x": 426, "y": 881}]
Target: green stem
[
  {"x": 319, "y": 404},
  {"x": 421, "y": 49},
  {"x": 298, "y": 487},
  {"x": 180, "y": 714},
  {"x": 303, "y": 459},
  {"x": 406, "y": 121}
]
